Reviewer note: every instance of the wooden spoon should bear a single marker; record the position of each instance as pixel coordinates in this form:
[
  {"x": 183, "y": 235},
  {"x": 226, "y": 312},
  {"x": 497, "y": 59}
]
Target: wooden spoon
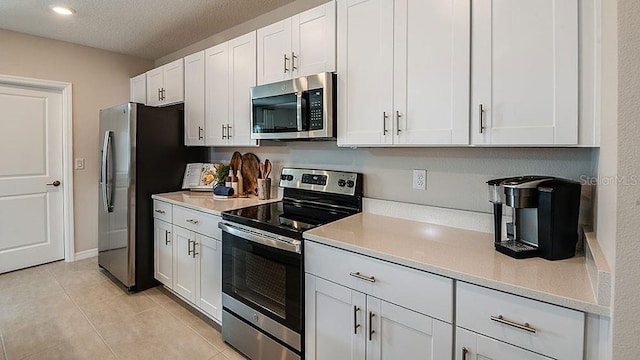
[
  {"x": 261, "y": 170},
  {"x": 267, "y": 168}
]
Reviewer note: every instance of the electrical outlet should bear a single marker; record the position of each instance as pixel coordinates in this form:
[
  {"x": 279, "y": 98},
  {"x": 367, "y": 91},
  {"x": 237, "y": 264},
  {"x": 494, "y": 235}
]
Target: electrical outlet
[
  {"x": 79, "y": 165},
  {"x": 420, "y": 179}
]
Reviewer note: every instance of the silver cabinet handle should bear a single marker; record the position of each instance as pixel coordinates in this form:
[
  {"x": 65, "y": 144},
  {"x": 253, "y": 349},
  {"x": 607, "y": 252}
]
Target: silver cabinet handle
[
  {"x": 200, "y": 133},
  {"x": 355, "y": 319},
  {"x": 163, "y": 92},
  {"x": 363, "y": 277},
  {"x": 166, "y": 237},
  {"x": 398, "y": 116},
  {"x": 481, "y": 116},
  {"x": 194, "y": 250},
  {"x": 160, "y": 211},
  {"x": 193, "y": 221},
  {"x": 189, "y": 246},
  {"x": 384, "y": 122},
  {"x": 465, "y": 352},
  {"x": 525, "y": 326},
  {"x": 159, "y": 96},
  {"x": 285, "y": 63},
  {"x": 228, "y": 131},
  {"x": 371, "y": 331},
  {"x": 293, "y": 61},
  {"x": 223, "y": 130}
]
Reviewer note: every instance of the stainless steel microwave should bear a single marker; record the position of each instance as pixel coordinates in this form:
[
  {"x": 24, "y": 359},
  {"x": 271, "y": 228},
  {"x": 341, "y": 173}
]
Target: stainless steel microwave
[{"x": 302, "y": 108}]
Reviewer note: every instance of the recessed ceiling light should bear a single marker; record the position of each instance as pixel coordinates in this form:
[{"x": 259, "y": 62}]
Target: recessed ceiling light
[{"x": 63, "y": 10}]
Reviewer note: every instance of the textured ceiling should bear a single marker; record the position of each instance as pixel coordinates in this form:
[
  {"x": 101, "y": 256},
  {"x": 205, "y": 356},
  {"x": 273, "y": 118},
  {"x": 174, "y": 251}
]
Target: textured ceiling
[{"x": 144, "y": 28}]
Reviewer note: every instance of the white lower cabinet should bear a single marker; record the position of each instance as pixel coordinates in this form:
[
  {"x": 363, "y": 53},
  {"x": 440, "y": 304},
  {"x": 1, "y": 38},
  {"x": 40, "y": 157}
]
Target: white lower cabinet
[
  {"x": 472, "y": 346},
  {"x": 163, "y": 252},
  {"x": 344, "y": 323},
  {"x": 188, "y": 256},
  {"x": 184, "y": 263}
]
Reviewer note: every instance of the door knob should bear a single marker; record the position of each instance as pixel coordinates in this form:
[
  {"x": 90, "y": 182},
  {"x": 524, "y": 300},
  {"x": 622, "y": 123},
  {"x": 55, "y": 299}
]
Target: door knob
[{"x": 55, "y": 183}]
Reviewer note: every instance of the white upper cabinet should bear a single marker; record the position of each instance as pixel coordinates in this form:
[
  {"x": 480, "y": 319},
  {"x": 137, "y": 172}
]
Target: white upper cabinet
[
  {"x": 524, "y": 72},
  {"x": 138, "y": 89},
  {"x": 165, "y": 84},
  {"x": 194, "y": 102},
  {"x": 230, "y": 72},
  {"x": 297, "y": 46},
  {"x": 403, "y": 72}
]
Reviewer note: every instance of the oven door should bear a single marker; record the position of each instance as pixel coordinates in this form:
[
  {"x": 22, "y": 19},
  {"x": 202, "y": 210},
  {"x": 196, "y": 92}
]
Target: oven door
[{"x": 261, "y": 273}]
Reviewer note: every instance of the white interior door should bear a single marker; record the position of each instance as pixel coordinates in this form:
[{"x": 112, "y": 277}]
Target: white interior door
[{"x": 31, "y": 211}]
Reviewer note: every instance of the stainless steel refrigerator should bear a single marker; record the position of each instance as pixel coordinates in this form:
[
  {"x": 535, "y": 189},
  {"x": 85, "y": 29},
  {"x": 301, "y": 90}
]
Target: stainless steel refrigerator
[{"x": 142, "y": 153}]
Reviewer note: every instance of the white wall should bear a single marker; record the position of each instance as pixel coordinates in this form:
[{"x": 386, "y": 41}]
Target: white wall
[
  {"x": 100, "y": 79},
  {"x": 455, "y": 176},
  {"x": 626, "y": 304}
]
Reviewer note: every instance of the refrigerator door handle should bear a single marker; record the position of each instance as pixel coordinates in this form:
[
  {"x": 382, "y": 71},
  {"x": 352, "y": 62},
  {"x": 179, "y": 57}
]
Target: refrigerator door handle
[{"x": 107, "y": 191}]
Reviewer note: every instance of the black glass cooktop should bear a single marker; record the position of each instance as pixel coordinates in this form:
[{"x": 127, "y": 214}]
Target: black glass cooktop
[{"x": 285, "y": 218}]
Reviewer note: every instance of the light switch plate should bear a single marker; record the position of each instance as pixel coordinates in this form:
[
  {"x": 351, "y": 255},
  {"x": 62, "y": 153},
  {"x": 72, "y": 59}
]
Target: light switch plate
[{"x": 79, "y": 164}]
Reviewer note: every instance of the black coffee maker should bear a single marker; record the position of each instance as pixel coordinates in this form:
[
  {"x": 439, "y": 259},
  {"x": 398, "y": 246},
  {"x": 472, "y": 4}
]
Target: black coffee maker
[{"x": 544, "y": 216}]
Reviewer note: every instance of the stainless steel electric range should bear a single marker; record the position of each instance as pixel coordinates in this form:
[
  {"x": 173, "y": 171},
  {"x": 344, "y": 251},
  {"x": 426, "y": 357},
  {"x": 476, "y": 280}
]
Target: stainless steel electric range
[{"x": 262, "y": 260}]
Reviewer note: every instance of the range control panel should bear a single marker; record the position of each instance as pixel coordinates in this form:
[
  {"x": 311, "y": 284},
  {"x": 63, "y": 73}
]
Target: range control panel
[{"x": 337, "y": 182}]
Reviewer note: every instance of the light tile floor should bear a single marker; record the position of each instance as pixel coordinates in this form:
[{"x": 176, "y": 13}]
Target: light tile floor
[{"x": 74, "y": 311}]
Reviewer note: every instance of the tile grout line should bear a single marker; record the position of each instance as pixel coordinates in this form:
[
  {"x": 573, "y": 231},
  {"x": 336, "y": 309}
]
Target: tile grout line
[
  {"x": 89, "y": 321},
  {"x": 220, "y": 351},
  {"x": 4, "y": 349}
]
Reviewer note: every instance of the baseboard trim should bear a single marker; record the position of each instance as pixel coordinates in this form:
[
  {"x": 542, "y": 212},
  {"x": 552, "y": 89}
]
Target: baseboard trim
[{"x": 81, "y": 255}]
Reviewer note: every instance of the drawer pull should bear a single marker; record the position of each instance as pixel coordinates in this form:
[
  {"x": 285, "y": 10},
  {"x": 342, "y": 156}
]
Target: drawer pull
[
  {"x": 194, "y": 222},
  {"x": 363, "y": 277},
  {"x": 525, "y": 327},
  {"x": 355, "y": 320},
  {"x": 166, "y": 237},
  {"x": 160, "y": 211}
]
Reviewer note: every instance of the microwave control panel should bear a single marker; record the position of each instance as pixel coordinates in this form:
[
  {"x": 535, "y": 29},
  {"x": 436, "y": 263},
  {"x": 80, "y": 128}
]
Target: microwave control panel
[{"x": 315, "y": 109}]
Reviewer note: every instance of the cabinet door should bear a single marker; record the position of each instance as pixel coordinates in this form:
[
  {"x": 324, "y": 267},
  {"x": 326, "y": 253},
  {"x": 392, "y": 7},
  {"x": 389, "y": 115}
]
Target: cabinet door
[
  {"x": 431, "y": 64},
  {"x": 274, "y": 52},
  {"x": 138, "y": 89},
  {"x": 472, "y": 346},
  {"x": 313, "y": 46},
  {"x": 154, "y": 86},
  {"x": 395, "y": 332},
  {"x": 365, "y": 72},
  {"x": 209, "y": 288},
  {"x": 217, "y": 94},
  {"x": 184, "y": 263},
  {"x": 242, "y": 76},
  {"x": 334, "y": 321},
  {"x": 173, "y": 82},
  {"x": 163, "y": 252},
  {"x": 525, "y": 72},
  {"x": 194, "y": 99}
]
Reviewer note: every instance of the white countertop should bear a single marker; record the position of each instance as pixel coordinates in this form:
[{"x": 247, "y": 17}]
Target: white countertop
[
  {"x": 464, "y": 255},
  {"x": 204, "y": 201}
]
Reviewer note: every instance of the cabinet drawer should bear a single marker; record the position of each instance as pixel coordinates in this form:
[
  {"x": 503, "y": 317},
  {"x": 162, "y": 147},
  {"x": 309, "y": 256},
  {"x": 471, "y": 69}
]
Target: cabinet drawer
[
  {"x": 552, "y": 330},
  {"x": 420, "y": 291},
  {"x": 200, "y": 222},
  {"x": 162, "y": 211}
]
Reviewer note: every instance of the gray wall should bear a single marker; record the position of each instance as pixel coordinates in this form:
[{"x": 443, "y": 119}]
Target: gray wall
[{"x": 455, "y": 176}]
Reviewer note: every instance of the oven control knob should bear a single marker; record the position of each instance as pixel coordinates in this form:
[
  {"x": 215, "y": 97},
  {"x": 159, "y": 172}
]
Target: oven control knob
[
  {"x": 341, "y": 182},
  {"x": 283, "y": 177},
  {"x": 255, "y": 317},
  {"x": 289, "y": 177},
  {"x": 350, "y": 183}
]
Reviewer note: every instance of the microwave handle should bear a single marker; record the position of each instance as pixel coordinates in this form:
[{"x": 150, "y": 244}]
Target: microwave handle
[{"x": 299, "y": 110}]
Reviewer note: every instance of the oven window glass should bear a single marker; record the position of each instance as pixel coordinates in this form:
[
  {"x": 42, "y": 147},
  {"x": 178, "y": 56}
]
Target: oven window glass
[
  {"x": 278, "y": 114},
  {"x": 261, "y": 281},
  {"x": 266, "y": 279}
]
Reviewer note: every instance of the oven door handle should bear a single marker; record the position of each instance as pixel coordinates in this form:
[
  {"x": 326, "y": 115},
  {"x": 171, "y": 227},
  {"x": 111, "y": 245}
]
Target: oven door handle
[{"x": 263, "y": 238}]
